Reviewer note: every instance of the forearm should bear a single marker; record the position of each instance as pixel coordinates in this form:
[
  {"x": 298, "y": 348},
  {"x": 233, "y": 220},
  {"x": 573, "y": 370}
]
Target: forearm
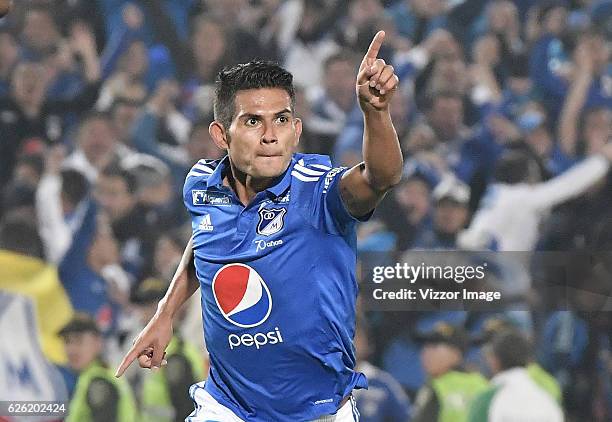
[
  {"x": 381, "y": 151},
  {"x": 54, "y": 231},
  {"x": 183, "y": 285},
  {"x": 568, "y": 126},
  {"x": 92, "y": 70}
]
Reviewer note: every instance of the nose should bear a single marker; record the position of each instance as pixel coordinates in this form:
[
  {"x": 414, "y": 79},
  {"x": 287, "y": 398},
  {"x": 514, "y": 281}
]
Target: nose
[{"x": 269, "y": 135}]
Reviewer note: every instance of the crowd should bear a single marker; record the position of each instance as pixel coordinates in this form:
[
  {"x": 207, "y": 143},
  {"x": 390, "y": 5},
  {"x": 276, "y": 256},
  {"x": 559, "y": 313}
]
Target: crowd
[{"x": 504, "y": 114}]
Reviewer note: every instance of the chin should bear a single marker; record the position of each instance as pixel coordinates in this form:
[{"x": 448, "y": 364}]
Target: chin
[{"x": 271, "y": 167}]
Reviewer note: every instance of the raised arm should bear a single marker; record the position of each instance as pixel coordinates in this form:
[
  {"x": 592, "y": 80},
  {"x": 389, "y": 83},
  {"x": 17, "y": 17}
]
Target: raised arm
[
  {"x": 150, "y": 344},
  {"x": 363, "y": 186},
  {"x": 576, "y": 97}
]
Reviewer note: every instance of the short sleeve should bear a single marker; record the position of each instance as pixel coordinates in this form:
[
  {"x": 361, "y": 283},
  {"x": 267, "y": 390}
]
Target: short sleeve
[
  {"x": 200, "y": 172},
  {"x": 328, "y": 207}
]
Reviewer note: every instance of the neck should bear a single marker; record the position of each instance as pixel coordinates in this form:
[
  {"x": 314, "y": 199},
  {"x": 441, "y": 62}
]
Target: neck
[{"x": 245, "y": 186}]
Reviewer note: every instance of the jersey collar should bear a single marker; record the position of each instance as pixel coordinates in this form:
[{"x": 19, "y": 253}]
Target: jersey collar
[{"x": 277, "y": 189}]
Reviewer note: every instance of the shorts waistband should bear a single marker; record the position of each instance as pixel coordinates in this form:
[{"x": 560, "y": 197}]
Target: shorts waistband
[{"x": 333, "y": 418}]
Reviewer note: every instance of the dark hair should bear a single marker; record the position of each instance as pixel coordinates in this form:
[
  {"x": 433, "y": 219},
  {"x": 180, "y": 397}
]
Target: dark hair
[
  {"x": 341, "y": 56},
  {"x": 74, "y": 186},
  {"x": 201, "y": 123},
  {"x": 91, "y": 117},
  {"x": 512, "y": 167},
  {"x": 511, "y": 348},
  {"x": 251, "y": 75},
  {"x": 429, "y": 99},
  {"x": 115, "y": 170},
  {"x": 35, "y": 161},
  {"x": 20, "y": 235}
]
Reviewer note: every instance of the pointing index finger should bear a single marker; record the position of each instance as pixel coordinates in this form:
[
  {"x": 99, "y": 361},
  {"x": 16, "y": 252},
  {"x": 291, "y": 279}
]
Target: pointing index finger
[
  {"x": 127, "y": 361},
  {"x": 375, "y": 46}
]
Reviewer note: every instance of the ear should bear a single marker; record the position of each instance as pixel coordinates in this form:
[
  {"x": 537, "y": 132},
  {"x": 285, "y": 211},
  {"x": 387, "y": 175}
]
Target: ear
[
  {"x": 298, "y": 131},
  {"x": 217, "y": 133}
]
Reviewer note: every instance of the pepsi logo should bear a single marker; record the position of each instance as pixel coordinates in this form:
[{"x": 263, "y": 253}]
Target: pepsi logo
[{"x": 241, "y": 295}]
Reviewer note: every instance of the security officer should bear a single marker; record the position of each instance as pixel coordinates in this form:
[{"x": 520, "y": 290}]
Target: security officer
[
  {"x": 513, "y": 395},
  {"x": 98, "y": 395},
  {"x": 164, "y": 395},
  {"x": 450, "y": 390},
  {"x": 539, "y": 375}
]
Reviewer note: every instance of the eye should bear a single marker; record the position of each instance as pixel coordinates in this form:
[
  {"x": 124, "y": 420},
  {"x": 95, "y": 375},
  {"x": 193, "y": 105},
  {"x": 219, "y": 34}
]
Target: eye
[
  {"x": 251, "y": 121},
  {"x": 283, "y": 119}
]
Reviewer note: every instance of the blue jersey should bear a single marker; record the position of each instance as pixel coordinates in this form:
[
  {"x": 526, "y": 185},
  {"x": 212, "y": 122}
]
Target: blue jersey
[{"x": 278, "y": 287}]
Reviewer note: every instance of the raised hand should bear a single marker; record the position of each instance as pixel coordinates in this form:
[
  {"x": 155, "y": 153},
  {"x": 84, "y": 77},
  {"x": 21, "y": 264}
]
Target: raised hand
[{"x": 376, "y": 80}]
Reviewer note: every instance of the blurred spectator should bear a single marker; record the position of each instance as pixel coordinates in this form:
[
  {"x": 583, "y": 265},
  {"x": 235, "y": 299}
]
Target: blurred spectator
[
  {"x": 161, "y": 128},
  {"x": 116, "y": 191},
  {"x": 96, "y": 146},
  {"x": 9, "y": 55},
  {"x": 98, "y": 395},
  {"x": 585, "y": 124},
  {"x": 450, "y": 215},
  {"x": 384, "y": 400},
  {"x": 163, "y": 393},
  {"x": 415, "y": 19},
  {"x": 450, "y": 390},
  {"x": 60, "y": 205},
  {"x": 213, "y": 48},
  {"x": 303, "y": 38},
  {"x": 500, "y": 226},
  {"x": 41, "y": 35},
  {"x": 333, "y": 102},
  {"x": 347, "y": 151},
  {"x": 407, "y": 211},
  {"x": 30, "y": 119},
  {"x": 514, "y": 395}
]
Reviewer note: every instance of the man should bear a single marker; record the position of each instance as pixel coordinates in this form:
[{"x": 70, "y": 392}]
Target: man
[
  {"x": 498, "y": 324},
  {"x": 514, "y": 395},
  {"x": 500, "y": 224},
  {"x": 450, "y": 215},
  {"x": 97, "y": 396},
  {"x": 450, "y": 390},
  {"x": 274, "y": 252}
]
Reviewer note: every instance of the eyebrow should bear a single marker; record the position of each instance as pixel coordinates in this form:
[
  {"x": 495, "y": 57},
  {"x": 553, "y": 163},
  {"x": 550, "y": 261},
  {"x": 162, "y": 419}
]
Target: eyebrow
[{"x": 258, "y": 116}]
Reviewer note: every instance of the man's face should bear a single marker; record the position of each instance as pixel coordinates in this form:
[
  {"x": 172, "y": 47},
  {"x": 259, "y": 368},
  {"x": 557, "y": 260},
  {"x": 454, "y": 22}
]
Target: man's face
[
  {"x": 263, "y": 133},
  {"x": 27, "y": 82},
  {"x": 136, "y": 60},
  {"x": 208, "y": 43},
  {"x": 340, "y": 88},
  {"x": 439, "y": 358},
  {"x": 39, "y": 30},
  {"x": 82, "y": 349},
  {"x": 446, "y": 117},
  {"x": 124, "y": 116},
  {"x": 555, "y": 21},
  {"x": 450, "y": 216},
  {"x": 597, "y": 129},
  {"x": 413, "y": 198},
  {"x": 97, "y": 139},
  {"x": 113, "y": 195},
  {"x": 9, "y": 50}
]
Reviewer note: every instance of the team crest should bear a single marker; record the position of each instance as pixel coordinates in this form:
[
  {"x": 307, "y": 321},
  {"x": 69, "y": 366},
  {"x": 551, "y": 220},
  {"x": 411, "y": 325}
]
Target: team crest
[{"x": 271, "y": 220}]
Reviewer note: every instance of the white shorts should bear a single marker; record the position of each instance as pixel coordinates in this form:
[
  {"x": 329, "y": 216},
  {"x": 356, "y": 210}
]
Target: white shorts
[{"x": 207, "y": 409}]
